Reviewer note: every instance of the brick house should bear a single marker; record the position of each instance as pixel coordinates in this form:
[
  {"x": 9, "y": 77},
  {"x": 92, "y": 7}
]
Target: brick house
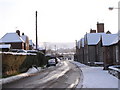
[
  {"x": 13, "y": 39},
  {"x": 99, "y": 48},
  {"x": 89, "y": 51},
  {"x": 81, "y": 50},
  {"x": 110, "y": 50},
  {"x": 77, "y": 55},
  {"x": 93, "y": 48}
]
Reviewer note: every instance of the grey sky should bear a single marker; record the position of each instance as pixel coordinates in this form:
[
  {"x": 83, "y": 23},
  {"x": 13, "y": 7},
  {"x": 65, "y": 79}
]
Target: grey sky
[{"x": 58, "y": 20}]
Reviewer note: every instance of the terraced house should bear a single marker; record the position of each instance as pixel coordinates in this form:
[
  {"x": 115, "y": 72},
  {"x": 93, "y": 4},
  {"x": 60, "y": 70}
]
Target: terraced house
[
  {"x": 110, "y": 50},
  {"x": 98, "y": 48}
]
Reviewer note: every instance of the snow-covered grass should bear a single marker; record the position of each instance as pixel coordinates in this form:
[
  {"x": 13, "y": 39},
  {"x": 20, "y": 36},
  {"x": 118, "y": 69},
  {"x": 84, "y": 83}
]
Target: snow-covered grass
[
  {"x": 20, "y": 76},
  {"x": 96, "y": 77}
]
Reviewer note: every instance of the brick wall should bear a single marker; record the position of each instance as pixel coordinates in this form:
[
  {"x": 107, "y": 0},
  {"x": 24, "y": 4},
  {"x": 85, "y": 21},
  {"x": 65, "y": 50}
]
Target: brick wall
[{"x": 17, "y": 45}]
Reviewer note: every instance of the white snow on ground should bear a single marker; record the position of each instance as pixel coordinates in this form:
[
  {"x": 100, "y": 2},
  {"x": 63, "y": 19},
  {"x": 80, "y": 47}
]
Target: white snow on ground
[
  {"x": 13, "y": 53},
  {"x": 96, "y": 77},
  {"x": 20, "y": 76}
]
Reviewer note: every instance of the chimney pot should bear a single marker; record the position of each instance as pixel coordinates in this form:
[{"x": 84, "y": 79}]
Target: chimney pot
[
  {"x": 22, "y": 33},
  {"x": 18, "y": 32},
  {"x": 92, "y": 31}
]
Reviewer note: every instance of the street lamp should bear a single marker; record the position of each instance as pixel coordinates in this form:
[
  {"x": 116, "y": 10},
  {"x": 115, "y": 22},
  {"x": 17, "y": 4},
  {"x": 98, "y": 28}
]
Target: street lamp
[{"x": 111, "y": 8}]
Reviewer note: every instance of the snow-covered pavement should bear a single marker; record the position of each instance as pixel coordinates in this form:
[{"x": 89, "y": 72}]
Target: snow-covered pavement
[{"x": 96, "y": 77}]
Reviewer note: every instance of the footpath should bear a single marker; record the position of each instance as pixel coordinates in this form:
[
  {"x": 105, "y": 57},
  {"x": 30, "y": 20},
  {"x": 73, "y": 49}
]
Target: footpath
[{"x": 96, "y": 77}]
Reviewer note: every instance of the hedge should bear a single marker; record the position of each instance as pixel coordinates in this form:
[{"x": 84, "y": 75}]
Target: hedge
[{"x": 15, "y": 64}]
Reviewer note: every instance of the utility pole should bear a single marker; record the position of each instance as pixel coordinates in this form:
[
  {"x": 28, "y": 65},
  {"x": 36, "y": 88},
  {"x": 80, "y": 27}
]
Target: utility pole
[
  {"x": 36, "y": 32},
  {"x": 76, "y": 45},
  {"x": 55, "y": 50}
]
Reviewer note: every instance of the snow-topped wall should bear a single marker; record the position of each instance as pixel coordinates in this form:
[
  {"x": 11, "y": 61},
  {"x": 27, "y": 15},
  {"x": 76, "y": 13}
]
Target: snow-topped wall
[{"x": 15, "y": 63}]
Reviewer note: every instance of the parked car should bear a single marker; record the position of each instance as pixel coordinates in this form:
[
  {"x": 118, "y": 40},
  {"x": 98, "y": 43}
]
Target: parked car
[
  {"x": 13, "y": 50},
  {"x": 21, "y": 51},
  {"x": 51, "y": 62},
  {"x": 32, "y": 51}
]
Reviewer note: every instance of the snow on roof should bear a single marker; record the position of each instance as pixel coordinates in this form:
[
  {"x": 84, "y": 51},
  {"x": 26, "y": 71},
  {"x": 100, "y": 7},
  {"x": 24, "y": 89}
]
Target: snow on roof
[
  {"x": 93, "y": 38},
  {"x": 24, "y": 37},
  {"x": 5, "y": 45},
  {"x": 11, "y": 37},
  {"x": 109, "y": 39},
  {"x": 78, "y": 44},
  {"x": 82, "y": 42}
]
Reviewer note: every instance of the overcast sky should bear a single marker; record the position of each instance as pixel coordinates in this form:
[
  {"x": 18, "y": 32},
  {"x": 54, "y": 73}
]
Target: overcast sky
[{"x": 58, "y": 20}]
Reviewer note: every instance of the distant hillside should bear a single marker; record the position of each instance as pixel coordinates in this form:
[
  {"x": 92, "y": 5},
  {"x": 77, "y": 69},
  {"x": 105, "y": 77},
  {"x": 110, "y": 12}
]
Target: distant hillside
[{"x": 57, "y": 45}]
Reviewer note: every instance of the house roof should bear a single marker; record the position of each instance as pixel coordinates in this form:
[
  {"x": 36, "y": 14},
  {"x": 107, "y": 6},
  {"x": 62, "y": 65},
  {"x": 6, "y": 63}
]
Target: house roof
[
  {"x": 93, "y": 38},
  {"x": 82, "y": 42},
  {"x": 5, "y": 45},
  {"x": 109, "y": 39},
  {"x": 10, "y": 38},
  {"x": 78, "y": 44}
]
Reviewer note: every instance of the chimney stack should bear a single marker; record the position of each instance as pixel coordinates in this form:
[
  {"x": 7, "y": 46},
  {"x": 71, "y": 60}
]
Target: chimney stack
[
  {"x": 22, "y": 33},
  {"x": 18, "y": 32},
  {"x": 92, "y": 31},
  {"x": 100, "y": 27}
]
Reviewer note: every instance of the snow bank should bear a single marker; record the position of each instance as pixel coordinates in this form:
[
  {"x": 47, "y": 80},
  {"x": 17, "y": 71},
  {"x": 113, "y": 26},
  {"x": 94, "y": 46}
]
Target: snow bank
[
  {"x": 96, "y": 77},
  {"x": 13, "y": 53},
  {"x": 20, "y": 76},
  {"x": 114, "y": 68}
]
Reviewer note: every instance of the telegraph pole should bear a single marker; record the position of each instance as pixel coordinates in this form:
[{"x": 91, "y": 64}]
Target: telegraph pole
[{"x": 36, "y": 32}]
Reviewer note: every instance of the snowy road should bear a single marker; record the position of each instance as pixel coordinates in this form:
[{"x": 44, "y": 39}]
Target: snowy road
[{"x": 66, "y": 75}]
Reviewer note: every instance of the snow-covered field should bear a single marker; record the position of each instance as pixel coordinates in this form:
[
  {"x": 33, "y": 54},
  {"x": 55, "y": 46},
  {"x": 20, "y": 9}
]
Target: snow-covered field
[{"x": 96, "y": 77}]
